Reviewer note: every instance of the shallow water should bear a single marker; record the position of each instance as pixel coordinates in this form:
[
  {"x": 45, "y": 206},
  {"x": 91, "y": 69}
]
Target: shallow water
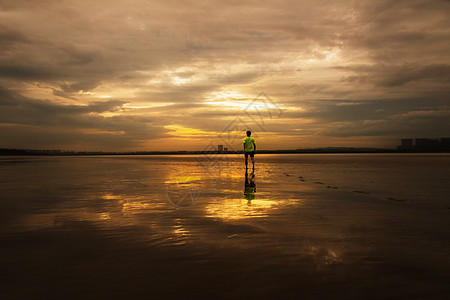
[{"x": 313, "y": 226}]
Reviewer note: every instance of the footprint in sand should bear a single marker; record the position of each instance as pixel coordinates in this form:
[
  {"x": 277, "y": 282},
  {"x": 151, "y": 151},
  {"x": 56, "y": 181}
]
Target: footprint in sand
[
  {"x": 361, "y": 192},
  {"x": 395, "y": 199}
]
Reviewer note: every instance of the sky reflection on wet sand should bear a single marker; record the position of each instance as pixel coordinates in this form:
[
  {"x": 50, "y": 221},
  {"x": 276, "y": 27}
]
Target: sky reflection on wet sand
[{"x": 293, "y": 236}]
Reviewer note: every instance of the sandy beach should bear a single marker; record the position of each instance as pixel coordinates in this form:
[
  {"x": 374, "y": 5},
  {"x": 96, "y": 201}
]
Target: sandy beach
[{"x": 300, "y": 227}]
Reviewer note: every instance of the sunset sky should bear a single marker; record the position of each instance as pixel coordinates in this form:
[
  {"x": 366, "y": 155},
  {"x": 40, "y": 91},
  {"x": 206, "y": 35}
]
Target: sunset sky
[{"x": 181, "y": 75}]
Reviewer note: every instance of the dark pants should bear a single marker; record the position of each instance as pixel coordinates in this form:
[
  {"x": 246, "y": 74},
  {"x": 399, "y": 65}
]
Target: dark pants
[{"x": 252, "y": 154}]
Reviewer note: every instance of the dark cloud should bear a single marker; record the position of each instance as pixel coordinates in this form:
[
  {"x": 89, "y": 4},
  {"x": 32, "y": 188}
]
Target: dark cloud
[
  {"x": 405, "y": 74},
  {"x": 398, "y": 75},
  {"x": 26, "y": 72},
  {"x": 423, "y": 123},
  {"x": 29, "y": 119},
  {"x": 10, "y": 36}
]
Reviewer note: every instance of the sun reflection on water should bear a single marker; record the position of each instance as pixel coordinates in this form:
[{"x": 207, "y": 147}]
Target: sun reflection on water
[
  {"x": 238, "y": 208},
  {"x": 183, "y": 190},
  {"x": 227, "y": 192},
  {"x": 240, "y": 198}
]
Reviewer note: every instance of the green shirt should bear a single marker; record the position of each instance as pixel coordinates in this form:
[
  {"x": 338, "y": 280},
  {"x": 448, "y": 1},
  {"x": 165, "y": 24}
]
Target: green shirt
[{"x": 248, "y": 142}]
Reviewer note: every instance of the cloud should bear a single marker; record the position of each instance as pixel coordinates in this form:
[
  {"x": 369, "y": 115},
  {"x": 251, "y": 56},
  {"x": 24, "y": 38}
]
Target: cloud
[
  {"x": 398, "y": 75},
  {"x": 10, "y": 36},
  {"x": 28, "y": 119},
  {"x": 167, "y": 62},
  {"x": 421, "y": 123}
]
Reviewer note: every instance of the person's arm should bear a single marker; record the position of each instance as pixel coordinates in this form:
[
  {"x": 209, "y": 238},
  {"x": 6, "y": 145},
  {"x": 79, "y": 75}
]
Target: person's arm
[
  {"x": 254, "y": 146},
  {"x": 244, "y": 146}
]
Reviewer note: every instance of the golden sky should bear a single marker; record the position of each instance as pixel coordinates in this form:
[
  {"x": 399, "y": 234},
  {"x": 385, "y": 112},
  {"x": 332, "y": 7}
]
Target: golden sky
[{"x": 183, "y": 75}]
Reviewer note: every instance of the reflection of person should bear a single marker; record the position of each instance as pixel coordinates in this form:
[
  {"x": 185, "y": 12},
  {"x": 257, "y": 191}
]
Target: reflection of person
[
  {"x": 249, "y": 149},
  {"x": 250, "y": 187}
]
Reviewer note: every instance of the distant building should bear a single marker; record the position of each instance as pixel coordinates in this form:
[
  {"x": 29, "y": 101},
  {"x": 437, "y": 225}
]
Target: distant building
[
  {"x": 407, "y": 145},
  {"x": 424, "y": 145},
  {"x": 445, "y": 144},
  {"x": 220, "y": 148},
  {"x": 225, "y": 149}
]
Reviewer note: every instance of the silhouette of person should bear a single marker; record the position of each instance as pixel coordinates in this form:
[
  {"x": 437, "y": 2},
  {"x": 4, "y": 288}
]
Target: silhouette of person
[
  {"x": 249, "y": 149},
  {"x": 250, "y": 187}
]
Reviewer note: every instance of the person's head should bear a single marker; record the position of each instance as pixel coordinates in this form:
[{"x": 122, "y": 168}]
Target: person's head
[{"x": 249, "y": 133}]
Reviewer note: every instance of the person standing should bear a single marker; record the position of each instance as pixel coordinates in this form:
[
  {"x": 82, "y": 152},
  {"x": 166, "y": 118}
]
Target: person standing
[{"x": 249, "y": 149}]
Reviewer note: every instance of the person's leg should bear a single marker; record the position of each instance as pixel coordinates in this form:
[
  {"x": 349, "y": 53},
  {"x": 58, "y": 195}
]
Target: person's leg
[{"x": 253, "y": 163}]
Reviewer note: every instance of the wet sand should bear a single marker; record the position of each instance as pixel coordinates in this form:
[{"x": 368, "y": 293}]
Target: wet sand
[{"x": 180, "y": 227}]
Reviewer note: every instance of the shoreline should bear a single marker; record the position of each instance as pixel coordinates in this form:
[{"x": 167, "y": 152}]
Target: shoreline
[{"x": 27, "y": 152}]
